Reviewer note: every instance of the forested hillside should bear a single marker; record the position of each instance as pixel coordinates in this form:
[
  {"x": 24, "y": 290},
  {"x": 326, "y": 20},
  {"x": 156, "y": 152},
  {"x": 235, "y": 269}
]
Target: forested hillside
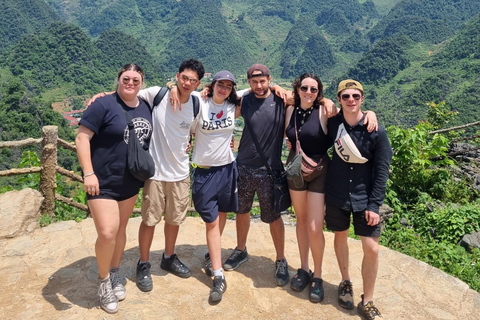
[
  {"x": 22, "y": 17},
  {"x": 407, "y": 52}
]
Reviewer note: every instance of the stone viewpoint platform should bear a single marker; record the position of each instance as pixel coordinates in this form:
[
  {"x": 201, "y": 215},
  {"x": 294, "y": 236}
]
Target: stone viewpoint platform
[{"x": 51, "y": 274}]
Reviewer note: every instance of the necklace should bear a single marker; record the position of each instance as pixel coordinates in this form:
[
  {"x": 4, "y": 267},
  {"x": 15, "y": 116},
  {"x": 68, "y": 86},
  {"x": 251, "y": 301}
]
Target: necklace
[{"x": 304, "y": 113}]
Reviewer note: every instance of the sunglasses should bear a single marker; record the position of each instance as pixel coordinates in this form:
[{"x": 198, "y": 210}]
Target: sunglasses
[
  {"x": 192, "y": 80},
  {"x": 312, "y": 89},
  {"x": 346, "y": 96},
  {"x": 126, "y": 80}
]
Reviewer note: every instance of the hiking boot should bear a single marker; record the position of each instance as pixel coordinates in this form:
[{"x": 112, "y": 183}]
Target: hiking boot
[
  {"x": 108, "y": 300},
  {"x": 208, "y": 265},
  {"x": 281, "y": 272},
  {"x": 345, "y": 294},
  {"x": 368, "y": 311},
  {"x": 236, "y": 259},
  {"x": 144, "y": 279},
  {"x": 218, "y": 288},
  {"x": 317, "y": 294},
  {"x": 300, "y": 280},
  {"x": 118, "y": 284},
  {"x": 175, "y": 266}
]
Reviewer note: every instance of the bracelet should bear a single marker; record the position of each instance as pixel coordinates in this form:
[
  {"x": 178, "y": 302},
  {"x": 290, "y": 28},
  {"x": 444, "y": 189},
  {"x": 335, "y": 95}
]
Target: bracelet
[{"x": 88, "y": 174}]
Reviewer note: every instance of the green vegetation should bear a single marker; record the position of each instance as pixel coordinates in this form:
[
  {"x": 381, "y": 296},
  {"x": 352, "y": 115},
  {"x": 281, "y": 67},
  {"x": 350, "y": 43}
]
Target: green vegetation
[{"x": 18, "y": 18}]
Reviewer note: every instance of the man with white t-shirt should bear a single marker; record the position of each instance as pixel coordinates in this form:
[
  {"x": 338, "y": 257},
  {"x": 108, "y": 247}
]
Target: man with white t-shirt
[{"x": 168, "y": 191}]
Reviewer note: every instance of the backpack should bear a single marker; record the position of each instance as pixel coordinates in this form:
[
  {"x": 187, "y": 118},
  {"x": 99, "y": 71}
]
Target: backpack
[{"x": 161, "y": 94}]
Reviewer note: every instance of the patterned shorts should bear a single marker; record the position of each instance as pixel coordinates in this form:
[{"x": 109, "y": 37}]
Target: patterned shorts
[{"x": 251, "y": 181}]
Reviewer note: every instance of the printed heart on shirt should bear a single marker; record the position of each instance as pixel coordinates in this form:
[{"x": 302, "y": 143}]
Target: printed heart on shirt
[{"x": 219, "y": 115}]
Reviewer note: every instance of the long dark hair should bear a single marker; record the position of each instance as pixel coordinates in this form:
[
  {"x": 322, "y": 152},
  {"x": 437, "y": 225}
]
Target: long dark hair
[
  {"x": 297, "y": 84},
  {"x": 232, "y": 98}
]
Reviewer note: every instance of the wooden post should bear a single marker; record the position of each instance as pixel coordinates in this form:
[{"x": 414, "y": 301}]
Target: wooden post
[{"x": 48, "y": 160}]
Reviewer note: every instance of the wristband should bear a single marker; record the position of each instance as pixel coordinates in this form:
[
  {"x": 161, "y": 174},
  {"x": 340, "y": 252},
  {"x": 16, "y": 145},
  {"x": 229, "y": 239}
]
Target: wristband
[{"x": 88, "y": 174}]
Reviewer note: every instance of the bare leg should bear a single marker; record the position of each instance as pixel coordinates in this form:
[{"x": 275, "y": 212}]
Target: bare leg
[
  {"x": 145, "y": 239},
  {"x": 299, "y": 200},
  {"x": 316, "y": 214},
  {"x": 242, "y": 224},
  {"x": 222, "y": 221},
  {"x": 369, "y": 266},
  {"x": 341, "y": 251},
  {"x": 214, "y": 243},
  {"x": 171, "y": 233},
  {"x": 106, "y": 217},
  {"x": 277, "y": 230},
  {"x": 125, "y": 209}
]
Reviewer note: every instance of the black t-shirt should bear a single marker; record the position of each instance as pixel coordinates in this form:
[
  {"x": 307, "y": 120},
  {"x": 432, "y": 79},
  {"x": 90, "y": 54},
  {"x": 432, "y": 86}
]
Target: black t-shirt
[
  {"x": 267, "y": 119},
  {"x": 313, "y": 140},
  {"x": 108, "y": 146}
]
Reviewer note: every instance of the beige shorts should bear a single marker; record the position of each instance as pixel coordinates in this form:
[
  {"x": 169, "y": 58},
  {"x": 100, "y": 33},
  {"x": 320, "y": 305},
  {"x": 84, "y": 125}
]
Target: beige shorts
[{"x": 169, "y": 198}]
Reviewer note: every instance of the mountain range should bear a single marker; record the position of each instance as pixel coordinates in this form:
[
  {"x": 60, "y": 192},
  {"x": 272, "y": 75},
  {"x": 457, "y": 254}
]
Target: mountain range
[{"x": 407, "y": 53}]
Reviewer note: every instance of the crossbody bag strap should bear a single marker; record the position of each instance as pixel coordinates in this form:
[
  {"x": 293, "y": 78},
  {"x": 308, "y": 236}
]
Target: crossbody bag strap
[
  {"x": 257, "y": 145},
  {"x": 297, "y": 142}
]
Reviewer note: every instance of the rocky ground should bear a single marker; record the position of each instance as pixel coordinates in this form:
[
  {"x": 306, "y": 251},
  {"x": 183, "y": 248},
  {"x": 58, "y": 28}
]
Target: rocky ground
[{"x": 51, "y": 274}]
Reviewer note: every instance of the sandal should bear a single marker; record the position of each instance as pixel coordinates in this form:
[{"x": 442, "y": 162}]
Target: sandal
[
  {"x": 300, "y": 280},
  {"x": 317, "y": 294}
]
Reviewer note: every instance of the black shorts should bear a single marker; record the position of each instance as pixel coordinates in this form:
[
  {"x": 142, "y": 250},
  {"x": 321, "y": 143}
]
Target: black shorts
[
  {"x": 259, "y": 181},
  {"x": 215, "y": 190},
  {"x": 110, "y": 196},
  {"x": 339, "y": 220}
]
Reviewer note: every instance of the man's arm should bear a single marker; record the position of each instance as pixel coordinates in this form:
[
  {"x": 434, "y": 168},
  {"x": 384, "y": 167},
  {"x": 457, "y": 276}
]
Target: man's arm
[{"x": 381, "y": 166}]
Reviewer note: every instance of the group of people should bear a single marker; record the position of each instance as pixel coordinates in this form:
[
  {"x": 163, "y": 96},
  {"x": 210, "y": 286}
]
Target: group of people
[{"x": 354, "y": 183}]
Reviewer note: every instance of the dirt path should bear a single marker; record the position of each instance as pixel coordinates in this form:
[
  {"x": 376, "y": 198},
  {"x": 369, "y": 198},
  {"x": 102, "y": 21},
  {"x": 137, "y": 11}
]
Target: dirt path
[{"x": 51, "y": 274}]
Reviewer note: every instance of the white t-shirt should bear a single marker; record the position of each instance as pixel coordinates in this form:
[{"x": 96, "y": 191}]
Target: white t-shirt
[
  {"x": 169, "y": 140},
  {"x": 213, "y": 133}
]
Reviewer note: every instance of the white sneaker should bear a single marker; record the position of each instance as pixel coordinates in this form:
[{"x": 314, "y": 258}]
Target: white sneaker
[
  {"x": 117, "y": 284},
  {"x": 108, "y": 300}
]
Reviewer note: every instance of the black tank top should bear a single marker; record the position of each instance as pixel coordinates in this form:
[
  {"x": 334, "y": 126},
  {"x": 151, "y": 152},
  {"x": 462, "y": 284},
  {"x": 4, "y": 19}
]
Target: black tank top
[{"x": 313, "y": 141}]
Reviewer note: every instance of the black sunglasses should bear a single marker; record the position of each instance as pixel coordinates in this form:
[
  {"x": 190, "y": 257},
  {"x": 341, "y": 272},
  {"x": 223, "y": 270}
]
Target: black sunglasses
[
  {"x": 312, "y": 89},
  {"x": 355, "y": 96}
]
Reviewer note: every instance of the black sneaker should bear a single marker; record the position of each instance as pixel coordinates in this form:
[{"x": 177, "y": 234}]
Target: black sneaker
[
  {"x": 281, "y": 272},
  {"x": 317, "y": 294},
  {"x": 368, "y": 311},
  {"x": 208, "y": 265},
  {"x": 218, "y": 288},
  {"x": 175, "y": 266},
  {"x": 236, "y": 259},
  {"x": 144, "y": 279},
  {"x": 345, "y": 294},
  {"x": 300, "y": 280}
]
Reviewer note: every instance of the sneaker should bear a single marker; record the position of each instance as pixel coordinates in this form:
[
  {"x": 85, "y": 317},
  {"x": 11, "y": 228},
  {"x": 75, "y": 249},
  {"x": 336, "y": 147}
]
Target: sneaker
[
  {"x": 345, "y": 294},
  {"x": 208, "y": 265},
  {"x": 281, "y": 272},
  {"x": 144, "y": 279},
  {"x": 317, "y": 294},
  {"x": 108, "y": 300},
  {"x": 368, "y": 311},
  {"x": 236, "y": 259},
  {"x": 118, "y": 286},
  {"x": 300, "y": 280},
  {"x": 218, "y": 288},
  {"x": 175, "y": 266}
]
